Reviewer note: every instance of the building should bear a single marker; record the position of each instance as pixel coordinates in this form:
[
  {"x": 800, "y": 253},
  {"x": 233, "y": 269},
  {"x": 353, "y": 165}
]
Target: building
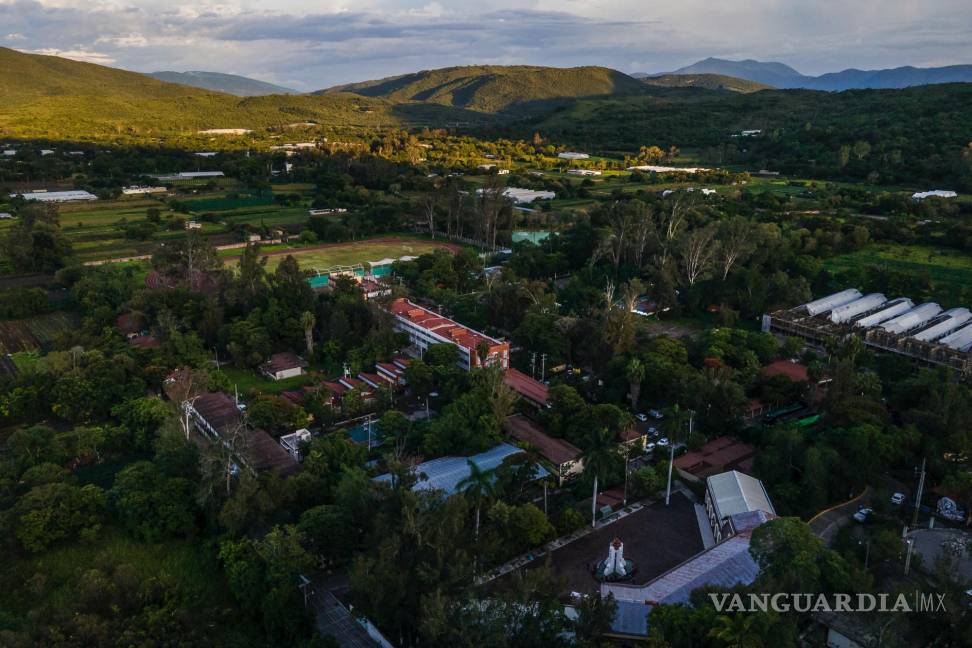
[
  {"x": 225, "y": 131},
  {"x": 56, "y": 196},
  {"x": 654, "y": 168},
  {"x": 425, "y": 327},
  {"x": 732, "y": 493},
  {"x": 571, "y": 155},
  {"x": 524, "y": 196},
  {"x": 447, "y": 473},
  {"x": 560, "y": 455},
  {"x": 327, "y": 212},
  {"x": 925, "y": 333},
  {"x": 935, "y": 193},
  {"x": 293, "y": 442},
  {"x": 583, "y": 172},
  {"x": 6, "y": 216},
  {"x": 205, "y": 154},
  {"x": 529, "y": 389},
  {"x": 283, "y": 365},
  {"x": 193, "y": 225},
  {"x": 716, "y": 456},
  {"x": 137, "y": 190},
  {"x": 187, "y": 175}
]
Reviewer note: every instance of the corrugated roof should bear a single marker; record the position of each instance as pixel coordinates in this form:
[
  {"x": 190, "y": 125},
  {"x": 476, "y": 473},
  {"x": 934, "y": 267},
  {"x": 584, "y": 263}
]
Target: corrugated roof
[
  {"x": 526, "y": 386},
  {"x": 445, "y": 473},
  {"x": 557, "y": 451},
  {"x": 631, "y": 619},
  {"x": 734, "y": 492}
]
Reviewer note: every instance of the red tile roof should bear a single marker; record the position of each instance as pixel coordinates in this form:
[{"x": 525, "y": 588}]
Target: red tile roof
[
  {"x": 792, "y": 370},
  {"x": 557, "y": 451},
  {"x": 430, "y": 321},
  {"x": 283, "y": 361},
  {"x": 526, "y": 386},
  {"x": 718, "y": 455}
]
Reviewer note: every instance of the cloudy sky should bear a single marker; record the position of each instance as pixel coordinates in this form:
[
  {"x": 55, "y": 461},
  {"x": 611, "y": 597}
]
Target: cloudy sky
[{"x": 308, "y": 44}]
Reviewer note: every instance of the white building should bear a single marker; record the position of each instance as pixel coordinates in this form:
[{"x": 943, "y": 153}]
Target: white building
[
  {"x": 283, "y": 365},
  {"x": 936, "y": 193},
  {"x": 571, "y": 155},
  {"x": 137, "y": 190},
  {"x": 10, "y": 152},
  {"x": 225, "y": 131},
  {"x": 5, "y": 216},
  {"x": 206, "y": 154},
  {"x": 523, "y": 196},
  {"x": 654, "y": 168},
  {"x": 56, "y": 196},
  {"x": 293, "y": 441},
  {"x": 187, "y": 175},
  {"x": 193, "y": 225},
  {"x": 583, "y": 172},
  {"x": 730, "y": 493}
]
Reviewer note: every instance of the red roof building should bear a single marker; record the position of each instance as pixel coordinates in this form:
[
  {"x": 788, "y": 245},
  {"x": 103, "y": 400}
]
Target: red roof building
[
  {"x": 425, "y": 327},
  {"x": 532, "y": 390},
  {"x": 563, "y": 456},
  {"x": 717, "y": 456}
]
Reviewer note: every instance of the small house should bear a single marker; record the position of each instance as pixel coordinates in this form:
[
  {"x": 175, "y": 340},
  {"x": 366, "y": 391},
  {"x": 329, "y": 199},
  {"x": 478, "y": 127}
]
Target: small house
[{"x": 283, "y": 365}]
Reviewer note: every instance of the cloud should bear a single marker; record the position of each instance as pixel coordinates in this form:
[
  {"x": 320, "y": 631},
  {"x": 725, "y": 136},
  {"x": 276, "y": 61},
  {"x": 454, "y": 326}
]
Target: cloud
[
  {"x": 82, "y": 55},
  {"x": 311, "y": 44}
]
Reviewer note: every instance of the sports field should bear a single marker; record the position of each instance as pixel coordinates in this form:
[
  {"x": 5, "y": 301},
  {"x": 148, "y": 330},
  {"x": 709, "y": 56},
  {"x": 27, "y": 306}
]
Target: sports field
[{"x": 327, "y": 256}]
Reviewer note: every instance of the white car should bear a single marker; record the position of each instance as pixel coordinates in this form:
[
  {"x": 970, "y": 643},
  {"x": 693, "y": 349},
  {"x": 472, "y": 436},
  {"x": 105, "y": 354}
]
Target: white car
[
  {"x": 641, "y": 417},
  {"x": 655, "y": 414},
  {"x": 898, "y": 499},
  {"x": 649, "y": 448},
  {"x": 653, "y": 431},
  {"x": 862, "y": 514},
  {"x": 663, "y": 442}
]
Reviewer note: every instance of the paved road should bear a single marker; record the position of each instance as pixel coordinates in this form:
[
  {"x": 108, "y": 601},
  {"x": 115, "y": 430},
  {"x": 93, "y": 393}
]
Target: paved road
[
  {"x": 827, "y": 523},
  {"x": 929, "y": 545}
]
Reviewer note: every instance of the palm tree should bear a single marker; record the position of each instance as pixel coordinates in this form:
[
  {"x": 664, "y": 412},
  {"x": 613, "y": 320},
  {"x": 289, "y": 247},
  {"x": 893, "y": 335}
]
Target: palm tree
[
  {"x": 635, "y": 372},
  {"x": 600, "y": 454},
  {"x": 736, "y": 631},
  {"x": 478, "y": 486},
  {"x": 674, "y": 427},
  {"x": 307, "y": 322}
]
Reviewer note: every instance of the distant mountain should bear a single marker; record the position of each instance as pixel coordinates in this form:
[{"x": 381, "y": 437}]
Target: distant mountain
[
  {"x": 777, "y": 75},
  {"x": 229, "y": 83},
  {"x": 718, "y": 82},
  {"x": 783, "y": 76},
  {"x": 497, "y": 89}
]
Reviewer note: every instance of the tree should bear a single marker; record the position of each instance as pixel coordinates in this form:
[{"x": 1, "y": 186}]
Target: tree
[
  {"x": 595, "y": 616},
  {"x": 635, "y": 373},
  {"x": 736, "y": 243},
  {"x": 50, "y": 513},
  {"x": 698, "y": 249},
  {"x": 599, "y": 455},
  {"x": 792, "y": 559},
  {"x": 150, "y": 504},
  {"x": 307, "y": 322},
  {"x": 478, "y": 487}
]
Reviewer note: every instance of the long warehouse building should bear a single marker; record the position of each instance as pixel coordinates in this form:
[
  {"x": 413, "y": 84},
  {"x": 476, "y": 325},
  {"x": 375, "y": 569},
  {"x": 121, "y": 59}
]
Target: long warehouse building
[{"x": 925, "y": 332}]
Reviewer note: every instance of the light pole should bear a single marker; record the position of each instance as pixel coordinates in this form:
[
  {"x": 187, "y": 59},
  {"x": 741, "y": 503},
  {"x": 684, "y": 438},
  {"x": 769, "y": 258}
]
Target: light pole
[{"x": 433, "y": 395}]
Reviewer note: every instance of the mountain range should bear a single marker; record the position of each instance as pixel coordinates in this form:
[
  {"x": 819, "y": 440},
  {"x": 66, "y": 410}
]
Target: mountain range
[
  {"x": 780, "y": 75},
  {"x": 233, "y": 84}
]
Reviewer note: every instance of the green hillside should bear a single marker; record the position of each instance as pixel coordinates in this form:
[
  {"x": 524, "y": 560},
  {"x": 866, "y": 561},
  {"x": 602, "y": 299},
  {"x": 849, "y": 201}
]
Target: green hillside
[
  {"x": 706, "y": 81},
  {"x": 498, "y": 89},
  {"x": 55, "y": 98}
]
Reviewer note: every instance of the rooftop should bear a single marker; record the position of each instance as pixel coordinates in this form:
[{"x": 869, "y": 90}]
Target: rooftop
[
  {"x": 718, "y": 454},
  {"x": 557, "y": 451},
  {"x": 218, "y": 409},
  {"x": 733, "y": 492},
  {"x": 283, "y": 361},
  {"x": 527, "y": 387},
  {"x": 442, "y": 326}
]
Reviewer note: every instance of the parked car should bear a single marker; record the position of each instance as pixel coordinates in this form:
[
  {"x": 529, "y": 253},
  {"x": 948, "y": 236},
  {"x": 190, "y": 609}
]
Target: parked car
[
  {"x": 898, "y": 499},
  {"x": 655, "y": 414},
  {"x": 653, "y": 431},
  {"x": 649, "y": 448},
  {"x": 641, "y": 417},
  {"x": 663, "y": 442},
  {"x": 863, "y": 514}
]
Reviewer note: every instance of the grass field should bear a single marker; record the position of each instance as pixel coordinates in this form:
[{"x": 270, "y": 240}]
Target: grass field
[
  {"x": 34, "y": 333},
  {"x": 351, "y": 253},
  {"x": 948, "y": 269}
]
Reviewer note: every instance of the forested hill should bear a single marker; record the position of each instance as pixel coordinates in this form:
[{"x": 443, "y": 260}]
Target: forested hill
[
  {"x": 230, "y": 83},
  {"x": 496, "y": 89},
  {"x": 60, "y": 99},
  {"x": 706, "y": 81}
]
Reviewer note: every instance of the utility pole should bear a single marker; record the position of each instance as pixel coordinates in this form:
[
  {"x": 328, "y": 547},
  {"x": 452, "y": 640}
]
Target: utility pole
[
  {"x": 533, "y": 365},
  {"x": 921, "y": 487},
  {"x": 911, "y": 545},
  {"x": 543, "y": 367}
]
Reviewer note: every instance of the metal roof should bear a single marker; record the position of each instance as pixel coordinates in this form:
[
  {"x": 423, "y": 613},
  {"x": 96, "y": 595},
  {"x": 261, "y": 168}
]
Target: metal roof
[
  {"x": 912, "y": 319},
  {"x": 857, "y": 307},
  {"x": 954, "y": 318},
  {"x": 960, "y": 340},
  {"x": 446, "y": 473},
  {"x": 631, "y": 619},
  {"x": 734, "y": 492},
  {"x": 891, "y": 309},
  {"x": 830, "y": 302}
]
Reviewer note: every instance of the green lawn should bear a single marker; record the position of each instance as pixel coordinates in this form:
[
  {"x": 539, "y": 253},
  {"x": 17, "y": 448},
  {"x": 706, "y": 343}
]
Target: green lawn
[
  {"x": 353, "y": 253},
  {"x": 250, "y": 381},
  {"x": 949, "y": 269}
]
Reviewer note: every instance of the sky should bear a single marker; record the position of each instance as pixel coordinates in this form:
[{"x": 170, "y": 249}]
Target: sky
[{"x": 308, "y": 45}]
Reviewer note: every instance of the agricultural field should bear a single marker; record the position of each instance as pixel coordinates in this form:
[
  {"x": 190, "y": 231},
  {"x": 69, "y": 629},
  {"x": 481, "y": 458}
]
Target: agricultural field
[
  {"x": 949, "y": 270},
  {"x": 338, "y": 254},
  {"x": 34, "y": 333}
]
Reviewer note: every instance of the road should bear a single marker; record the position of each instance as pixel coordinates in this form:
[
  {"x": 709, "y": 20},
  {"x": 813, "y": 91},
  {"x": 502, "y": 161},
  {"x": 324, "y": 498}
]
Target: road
[{"x": 828, "y": 522}]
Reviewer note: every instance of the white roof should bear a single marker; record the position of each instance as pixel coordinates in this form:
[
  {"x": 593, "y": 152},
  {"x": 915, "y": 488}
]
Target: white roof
[
  {"x": 857, "y": 307},
  {"x": 830, "y": 302},
  {"x": 735, "y": 492},
  {"x": 654, "y": 168},
  {"x": 912, "y": 319},
  {"x": 893, "y": 308},
  {"x": 571, "y": 155},
  {"x": 56, "y": 196},
  {"x": 960, "y": 340},
  {"x": 955, "y": 318},
  {"x": 937, "y": 193}
]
